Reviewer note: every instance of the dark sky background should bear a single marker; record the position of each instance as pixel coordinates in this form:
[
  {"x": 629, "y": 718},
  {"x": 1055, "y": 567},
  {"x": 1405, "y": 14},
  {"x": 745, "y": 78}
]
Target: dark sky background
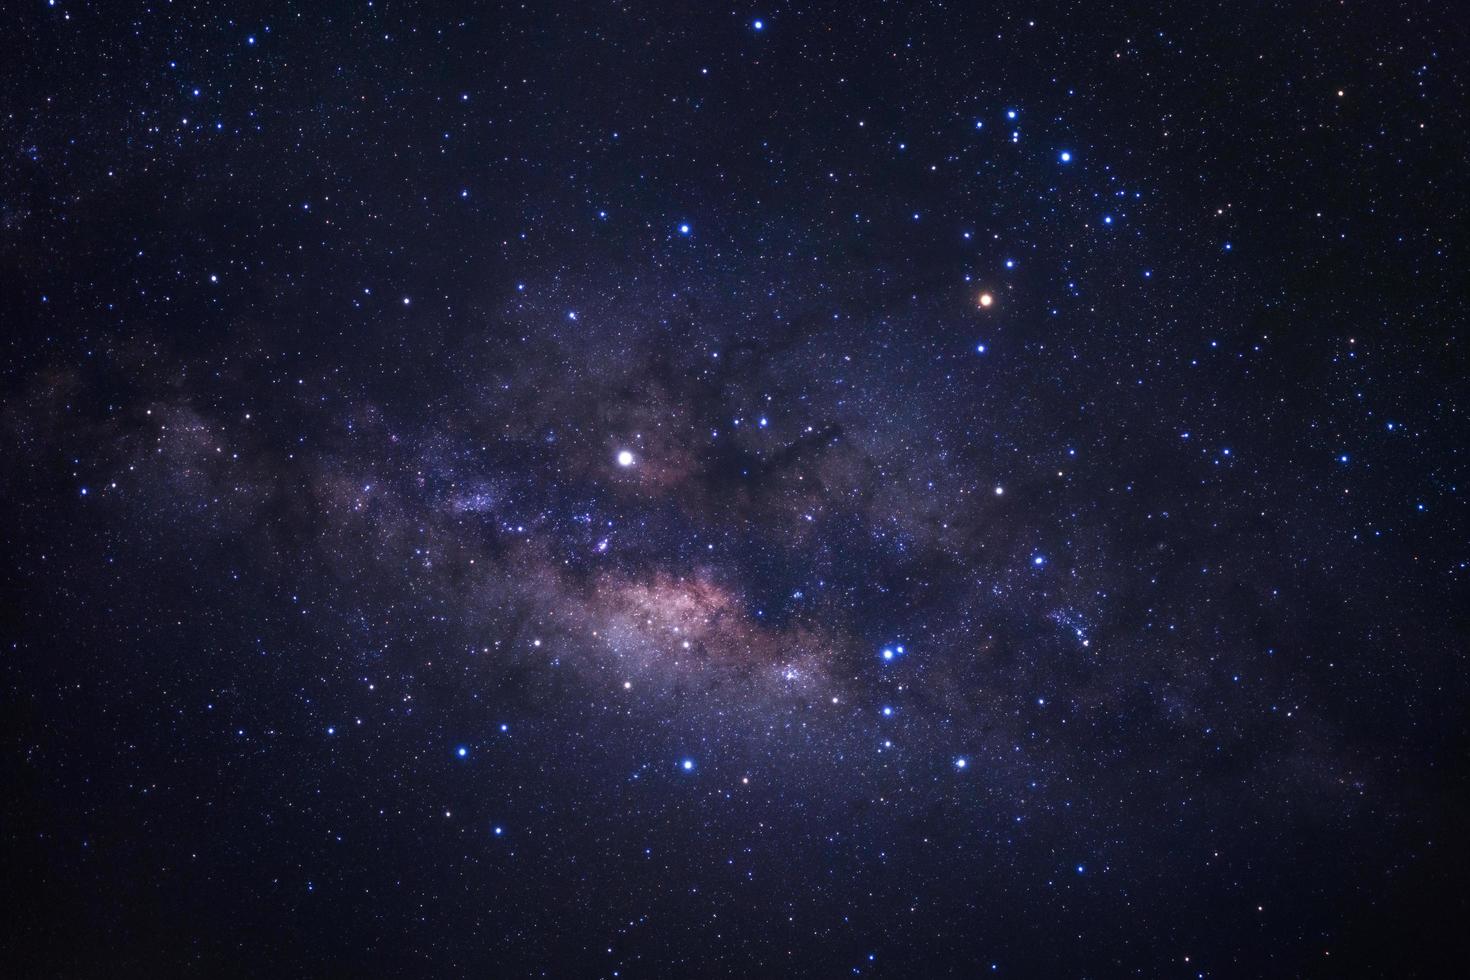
[{"x": 668, "y": 490}]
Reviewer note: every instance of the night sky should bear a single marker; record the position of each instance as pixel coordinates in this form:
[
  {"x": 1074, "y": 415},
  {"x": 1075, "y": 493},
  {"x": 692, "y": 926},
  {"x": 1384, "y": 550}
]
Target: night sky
[{"x": 601, "y": 489}]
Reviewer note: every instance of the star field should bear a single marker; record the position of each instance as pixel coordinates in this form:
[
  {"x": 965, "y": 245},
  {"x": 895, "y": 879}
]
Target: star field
[{"x": 649, "y": 490}]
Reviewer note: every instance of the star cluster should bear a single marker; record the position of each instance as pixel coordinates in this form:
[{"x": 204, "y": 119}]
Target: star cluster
[{"x": 639, "y": 490}]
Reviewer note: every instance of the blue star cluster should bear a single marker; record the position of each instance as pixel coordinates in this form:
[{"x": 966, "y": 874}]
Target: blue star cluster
[{"x": 649, "y": 490}]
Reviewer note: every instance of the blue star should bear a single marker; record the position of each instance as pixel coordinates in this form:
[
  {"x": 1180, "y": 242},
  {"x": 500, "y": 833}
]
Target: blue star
[
  {"x": 461, "y": 751},
  {"x": 687, "y": 765},
  {"x": 759, "y": 25},
  {"x": 683, "y": 229},
  {"x": 1065, "y": 156}
]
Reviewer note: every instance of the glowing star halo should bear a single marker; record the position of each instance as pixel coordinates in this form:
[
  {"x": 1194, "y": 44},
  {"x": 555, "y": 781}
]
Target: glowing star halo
[{"x": 986, "y": 300}]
